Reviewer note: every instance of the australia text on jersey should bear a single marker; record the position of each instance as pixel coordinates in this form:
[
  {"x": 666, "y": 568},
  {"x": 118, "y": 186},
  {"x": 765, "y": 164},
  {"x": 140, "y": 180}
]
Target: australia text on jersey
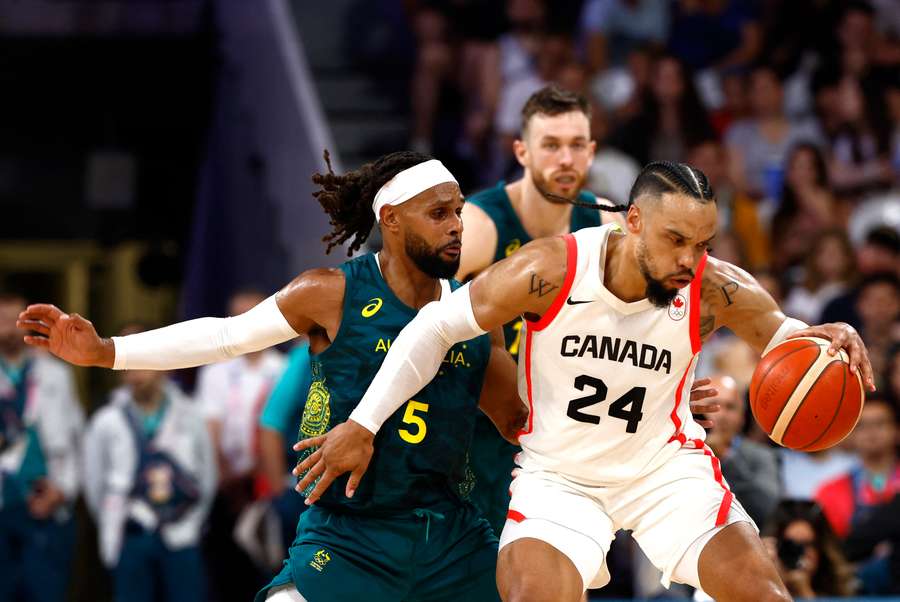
[
  {"x": 455, "y": 357},
  {"x": 640, "y": 355}
]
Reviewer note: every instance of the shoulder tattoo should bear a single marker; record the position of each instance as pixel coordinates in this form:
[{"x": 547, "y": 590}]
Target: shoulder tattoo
[{"x": 540, "y": 287}]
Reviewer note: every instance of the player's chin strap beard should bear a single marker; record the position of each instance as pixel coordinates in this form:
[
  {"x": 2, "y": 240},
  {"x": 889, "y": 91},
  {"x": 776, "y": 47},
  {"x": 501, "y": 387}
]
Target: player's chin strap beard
[{"x": 561, "y": 200}]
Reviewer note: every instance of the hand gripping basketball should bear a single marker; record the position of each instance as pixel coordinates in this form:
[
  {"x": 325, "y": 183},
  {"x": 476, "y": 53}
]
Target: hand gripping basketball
[{"x": 844, "y": 336}]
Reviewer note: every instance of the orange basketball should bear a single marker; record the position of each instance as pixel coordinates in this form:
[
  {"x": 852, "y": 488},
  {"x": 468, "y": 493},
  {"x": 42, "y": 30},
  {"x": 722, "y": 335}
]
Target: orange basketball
[{"x": 804, "y": 398}]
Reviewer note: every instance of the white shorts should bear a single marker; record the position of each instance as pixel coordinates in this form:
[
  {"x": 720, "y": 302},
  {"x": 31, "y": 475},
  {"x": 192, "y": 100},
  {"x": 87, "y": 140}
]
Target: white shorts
[{"x": 672, "y": 512}]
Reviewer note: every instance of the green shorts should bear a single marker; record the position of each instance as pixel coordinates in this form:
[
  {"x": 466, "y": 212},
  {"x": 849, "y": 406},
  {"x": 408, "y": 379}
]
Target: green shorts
[
  {"x": 491, "y": 461},
  {"x": 425, "y": 557}
]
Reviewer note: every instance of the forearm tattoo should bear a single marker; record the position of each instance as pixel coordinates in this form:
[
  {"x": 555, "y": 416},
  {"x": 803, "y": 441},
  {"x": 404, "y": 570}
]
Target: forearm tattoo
[{"x": 707, "y": 325}]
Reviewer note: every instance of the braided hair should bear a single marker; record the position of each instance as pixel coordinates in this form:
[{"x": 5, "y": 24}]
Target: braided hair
[
  {"x": 347, "y": 199},
  {"x": 656, "y": 178},
  {"x": 660, "y": 177}
]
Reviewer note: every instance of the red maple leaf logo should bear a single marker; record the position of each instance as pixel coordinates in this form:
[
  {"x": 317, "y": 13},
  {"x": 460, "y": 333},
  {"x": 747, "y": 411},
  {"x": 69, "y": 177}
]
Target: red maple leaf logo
[{"x": 677, "y": 302}]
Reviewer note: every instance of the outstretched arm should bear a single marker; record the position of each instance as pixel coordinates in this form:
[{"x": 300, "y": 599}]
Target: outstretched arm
[
  {"x": 733, "y": 298},
  {"x": 304, "y": 304}
]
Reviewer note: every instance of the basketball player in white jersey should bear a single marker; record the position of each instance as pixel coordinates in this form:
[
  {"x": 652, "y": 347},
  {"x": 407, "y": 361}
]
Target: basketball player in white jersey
[{"x": 614, "y": 323}]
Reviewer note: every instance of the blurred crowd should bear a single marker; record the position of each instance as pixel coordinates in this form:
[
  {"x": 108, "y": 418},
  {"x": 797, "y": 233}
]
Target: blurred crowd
[{"x": 791, "y": 108}]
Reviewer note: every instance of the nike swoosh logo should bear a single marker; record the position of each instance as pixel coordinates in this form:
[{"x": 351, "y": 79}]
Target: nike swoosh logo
[{"x": 570, "y": 302}]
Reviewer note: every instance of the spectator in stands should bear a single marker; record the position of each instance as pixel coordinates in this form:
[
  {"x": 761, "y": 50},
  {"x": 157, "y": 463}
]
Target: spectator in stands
[
  {"x": 457, "y": 50},
  {"x": 611, "y": 29},
  {"x": 878, "y": 307},
  {"x": 880, "y": 253},
  {"x": 231, "y": 396},
  {"x": 737, "y": 211},
  {"x": 860, "y": 156},
  {"x": 750, "y": 469},
  {"x": 807, "y": 206},
  {"x": 734, "y": 102},
  {"x": 555, "y": 56},
  {"x": 730, "y": 31},
  {"x": 279, "y": 430},
  {"x": 850, "y": 497},
  {"x": 850, "y": 501},
  {"x": 829, "y": 270},
  {"x": 803, "y": 473},
  {"x": 892, "y": 105},
  {"x": 671, "y": 119},
  {"x": 613, "y": 172},
  {"x": 150, "y": 478},
  {"x": 40, "y": 436},
  {"x": 759, "y": 145},
  {"x": 877, "y": 536},
  {"x": 892, "y": 375},
  {"x": 806, "y": 552}
]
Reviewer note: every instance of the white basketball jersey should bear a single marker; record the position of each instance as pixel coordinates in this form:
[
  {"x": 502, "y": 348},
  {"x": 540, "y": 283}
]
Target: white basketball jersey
[{"x": 607, "y": 381}]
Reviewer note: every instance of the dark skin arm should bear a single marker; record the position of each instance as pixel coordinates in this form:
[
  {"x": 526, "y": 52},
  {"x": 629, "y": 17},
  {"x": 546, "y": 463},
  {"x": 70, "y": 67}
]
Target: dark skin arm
[
  {"x": 500, "y": 399},
  {"x": 733, "y": 298}
]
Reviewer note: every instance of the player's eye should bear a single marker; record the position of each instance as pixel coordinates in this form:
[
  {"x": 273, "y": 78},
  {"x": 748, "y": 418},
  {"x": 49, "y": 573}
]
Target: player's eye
[{"x": 551, "y": 146}]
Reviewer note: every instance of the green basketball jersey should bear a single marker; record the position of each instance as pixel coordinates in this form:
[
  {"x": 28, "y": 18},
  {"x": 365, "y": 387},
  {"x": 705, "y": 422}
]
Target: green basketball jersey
[
  {"x": 421, "y": 452},
  {"x": 511, "y": 235}
]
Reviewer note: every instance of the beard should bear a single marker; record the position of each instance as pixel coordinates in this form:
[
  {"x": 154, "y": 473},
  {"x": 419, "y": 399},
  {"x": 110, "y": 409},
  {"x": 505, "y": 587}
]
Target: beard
[
  {"x": 657, "y": 292},
  {"x": 543, "y": 186},
  {"x": 429, "y": 260}
]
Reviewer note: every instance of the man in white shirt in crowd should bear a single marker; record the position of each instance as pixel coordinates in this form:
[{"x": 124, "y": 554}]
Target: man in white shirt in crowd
[
  {"x": 231, "y": 396},
  {"x": 150, "y": 478},
  {"x": 40, "y": 430}
]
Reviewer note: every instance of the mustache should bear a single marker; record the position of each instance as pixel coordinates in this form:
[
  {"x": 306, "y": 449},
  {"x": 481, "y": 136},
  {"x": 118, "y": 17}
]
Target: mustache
[
  {"x": 688, "y": 273},
  {"x": 455, "y": 241}
]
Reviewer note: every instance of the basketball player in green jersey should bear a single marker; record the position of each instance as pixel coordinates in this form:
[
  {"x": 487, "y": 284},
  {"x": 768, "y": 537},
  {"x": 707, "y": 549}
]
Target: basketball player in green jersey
[
  {"x": 555, "y": 151},
  {"x": 408, "y": 532}
]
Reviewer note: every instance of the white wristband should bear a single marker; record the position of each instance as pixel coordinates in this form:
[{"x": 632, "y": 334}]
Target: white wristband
[
  {"x": 204, "y": 340},
  {"x": 787, "y": 327}
]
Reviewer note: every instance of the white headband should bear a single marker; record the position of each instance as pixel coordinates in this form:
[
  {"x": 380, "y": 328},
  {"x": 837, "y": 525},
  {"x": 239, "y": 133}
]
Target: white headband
[{"x": 410, "y": 182}]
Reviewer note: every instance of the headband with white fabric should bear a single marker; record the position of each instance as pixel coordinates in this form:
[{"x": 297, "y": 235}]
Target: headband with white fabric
[{"x": 410, "y": 182}]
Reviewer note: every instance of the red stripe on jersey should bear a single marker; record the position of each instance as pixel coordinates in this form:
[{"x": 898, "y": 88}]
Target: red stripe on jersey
[
  {"x": 696, "y": 343},
  {"x": 679, "y": 391},
  {"x": 571, "y": 266},
  {"x": 527, "y": 430},
  {"x": 515, "y": 515},
  {"x": 531, "y": 326},
  {"x": 725, "y": 506}
]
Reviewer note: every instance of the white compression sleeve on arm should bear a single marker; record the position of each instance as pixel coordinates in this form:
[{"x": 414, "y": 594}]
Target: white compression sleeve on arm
[
  {"x": 204, "y": 340},
  {"x": 416, "y": 355},
  {"x": 787, "y": 327}
]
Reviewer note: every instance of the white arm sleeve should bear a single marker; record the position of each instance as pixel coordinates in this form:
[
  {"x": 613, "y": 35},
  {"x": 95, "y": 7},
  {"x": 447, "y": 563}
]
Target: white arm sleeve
[
  {"x": 204, "y": 340},
  {"x": 416, "y": 355},
  {"x": 787, "y": 327}
]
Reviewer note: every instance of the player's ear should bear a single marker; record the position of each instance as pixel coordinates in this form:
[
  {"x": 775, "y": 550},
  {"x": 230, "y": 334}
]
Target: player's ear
[
  {"x": 520, "y": 150},
  {"x": 634, "y": 219},
  {"x": 390, "y": 218}
]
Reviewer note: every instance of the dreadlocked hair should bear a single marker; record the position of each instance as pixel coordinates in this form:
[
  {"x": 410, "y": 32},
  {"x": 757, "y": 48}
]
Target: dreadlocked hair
[
  {"x": 660, "y": 177},
  {"x": 347, "y": 199}
]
